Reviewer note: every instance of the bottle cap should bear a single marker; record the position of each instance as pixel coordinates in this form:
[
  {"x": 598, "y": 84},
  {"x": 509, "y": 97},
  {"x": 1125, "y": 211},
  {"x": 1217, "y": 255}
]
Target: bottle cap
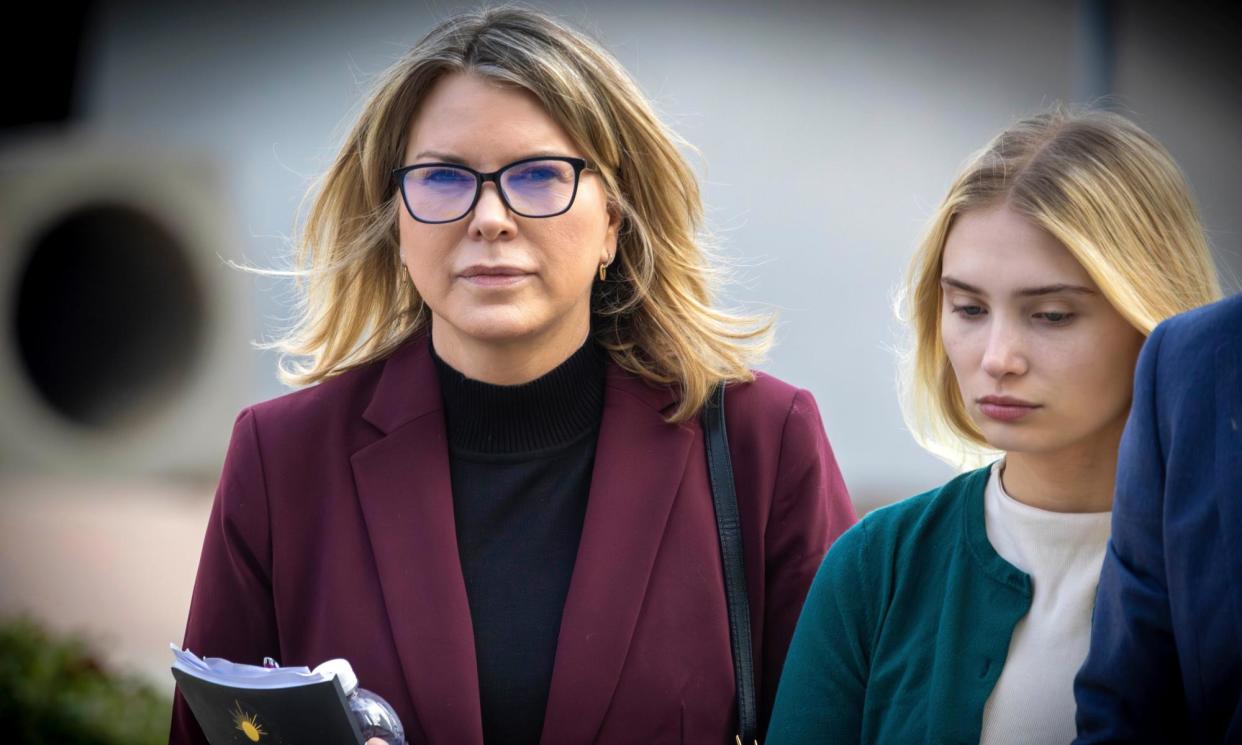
[{"x": 343, "y": 671}]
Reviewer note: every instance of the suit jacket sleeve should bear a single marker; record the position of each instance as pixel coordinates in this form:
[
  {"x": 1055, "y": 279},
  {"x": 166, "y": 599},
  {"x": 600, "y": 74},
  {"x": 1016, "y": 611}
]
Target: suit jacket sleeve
[
  {"x": 811, "y": 507},
  {"x": 231, "y": 611},
  {"x": 1129, "y": 689}
]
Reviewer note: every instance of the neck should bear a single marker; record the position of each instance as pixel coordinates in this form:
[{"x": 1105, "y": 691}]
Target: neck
[
  {"x": 507, "y": 361},
  {"x": 551, "y": 411},
  {"x": 1079, "y": 478}
]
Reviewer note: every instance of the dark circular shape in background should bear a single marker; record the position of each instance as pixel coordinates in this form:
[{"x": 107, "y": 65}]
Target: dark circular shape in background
[{"x": 109, "y": 315}]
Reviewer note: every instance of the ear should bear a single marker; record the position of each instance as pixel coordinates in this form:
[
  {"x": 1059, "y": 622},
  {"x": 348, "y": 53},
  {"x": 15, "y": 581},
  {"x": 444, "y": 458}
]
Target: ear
[{"x": 608, "y": 251}]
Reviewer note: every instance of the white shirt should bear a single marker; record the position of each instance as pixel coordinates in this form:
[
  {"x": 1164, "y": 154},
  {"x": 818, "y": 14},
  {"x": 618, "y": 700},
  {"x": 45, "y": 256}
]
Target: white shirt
[{"x": 1033, "y": 701}]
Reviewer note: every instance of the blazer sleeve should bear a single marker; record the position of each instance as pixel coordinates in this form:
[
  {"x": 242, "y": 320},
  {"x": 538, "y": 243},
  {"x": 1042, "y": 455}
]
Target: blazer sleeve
[
  {"x": 822, "y": 691},
  {"x": 811, "y": 507},
  {"x": 231, "y": 611},
  {"x": 1130, "y": 688}
]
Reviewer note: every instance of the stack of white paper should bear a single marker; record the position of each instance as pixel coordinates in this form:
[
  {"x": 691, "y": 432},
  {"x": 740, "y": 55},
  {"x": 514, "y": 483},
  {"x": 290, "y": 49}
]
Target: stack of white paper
[{"x": 222, "y": 672}]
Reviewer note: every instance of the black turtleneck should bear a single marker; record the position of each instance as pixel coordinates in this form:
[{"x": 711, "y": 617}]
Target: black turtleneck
[{"x": 520, "y": 459}]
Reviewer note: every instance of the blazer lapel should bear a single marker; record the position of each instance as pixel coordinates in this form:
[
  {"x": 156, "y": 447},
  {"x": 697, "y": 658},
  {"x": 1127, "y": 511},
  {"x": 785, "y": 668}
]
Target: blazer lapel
[
  {"x": 639, "y": 464},
  {"x": 405, "y": 489}
]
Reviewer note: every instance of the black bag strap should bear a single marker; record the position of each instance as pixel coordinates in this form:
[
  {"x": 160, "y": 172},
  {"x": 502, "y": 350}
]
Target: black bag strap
[{"x": 729, "y": 527}]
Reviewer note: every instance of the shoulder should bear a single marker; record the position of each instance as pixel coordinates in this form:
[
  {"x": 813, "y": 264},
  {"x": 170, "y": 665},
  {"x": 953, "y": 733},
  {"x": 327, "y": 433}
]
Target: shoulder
[
  {"x": 1214, "y": 320},
  {"x": 317, "y": 411},
  {"x": 347, "y": 392},
  {"x": 926, "y": 519},
  {"x": 763, "y": 391},
  {"x": 774, "y": 423},
  {"x": 1178, "y": 365},
  {"x": 770, "y": 405},
  {"x": 873, "y": 555},
  {"x": 1197, "y": 333},
  {"x": 333, "y": 393}
]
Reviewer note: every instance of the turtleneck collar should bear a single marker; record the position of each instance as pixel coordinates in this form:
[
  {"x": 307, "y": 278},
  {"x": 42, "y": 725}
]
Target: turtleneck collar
[{"x": 551, "y": 411}]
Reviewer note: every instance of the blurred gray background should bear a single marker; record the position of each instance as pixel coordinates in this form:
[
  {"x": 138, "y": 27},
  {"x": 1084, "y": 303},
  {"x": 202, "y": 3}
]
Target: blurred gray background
[{"x": 189, "y": 132}]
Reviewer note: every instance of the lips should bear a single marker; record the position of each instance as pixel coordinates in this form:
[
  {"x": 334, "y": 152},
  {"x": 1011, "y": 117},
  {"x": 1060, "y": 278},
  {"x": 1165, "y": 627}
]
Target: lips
[
  {"x": 480, "y": 270},
  {"x": 494, "y": 276},
  {"x": 1005, "y": 408}
]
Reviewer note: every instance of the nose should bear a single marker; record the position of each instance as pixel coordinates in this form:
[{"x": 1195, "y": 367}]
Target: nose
[
  {"x": 1005, "y": 353},
  {"x": 491, "y": 220}
]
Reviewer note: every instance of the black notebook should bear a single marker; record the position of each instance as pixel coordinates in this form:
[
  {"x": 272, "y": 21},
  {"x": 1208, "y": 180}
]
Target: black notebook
[{"x": 241, "y": 704}]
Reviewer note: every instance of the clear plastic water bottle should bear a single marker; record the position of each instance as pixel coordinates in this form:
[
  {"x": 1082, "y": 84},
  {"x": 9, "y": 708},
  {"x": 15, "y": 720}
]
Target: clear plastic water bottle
[{"x": 375, "y": 717}]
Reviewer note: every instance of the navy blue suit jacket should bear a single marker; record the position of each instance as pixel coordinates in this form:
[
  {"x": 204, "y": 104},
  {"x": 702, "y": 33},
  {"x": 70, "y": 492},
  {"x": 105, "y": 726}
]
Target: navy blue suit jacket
[{"x": 1166, "y": 644}]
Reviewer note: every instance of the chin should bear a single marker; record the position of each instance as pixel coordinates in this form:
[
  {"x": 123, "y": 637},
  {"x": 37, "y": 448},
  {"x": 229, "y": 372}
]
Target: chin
[
  {"x": 1017, "y": 438},
  {"x": 496, "y": 324}
]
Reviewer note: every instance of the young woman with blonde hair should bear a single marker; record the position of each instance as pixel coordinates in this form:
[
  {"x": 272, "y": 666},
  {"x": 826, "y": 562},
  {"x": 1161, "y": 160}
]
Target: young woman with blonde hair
[
  {"x": 495, "y": 503},
  {"x": 962, "y": 614}
]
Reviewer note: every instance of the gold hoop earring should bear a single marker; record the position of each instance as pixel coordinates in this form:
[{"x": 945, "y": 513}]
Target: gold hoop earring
[{"x": 603, "y": 271}]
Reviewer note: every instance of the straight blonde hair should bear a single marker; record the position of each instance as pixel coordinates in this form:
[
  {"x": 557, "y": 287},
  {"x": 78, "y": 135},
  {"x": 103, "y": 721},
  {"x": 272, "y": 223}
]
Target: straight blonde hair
[
  {"x": 1101, "y": 186},
  {"x": 653, "y": 314}
]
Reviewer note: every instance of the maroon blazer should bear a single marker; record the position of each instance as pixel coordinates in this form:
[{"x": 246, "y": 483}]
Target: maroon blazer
[{"x": 332, "y": 536}]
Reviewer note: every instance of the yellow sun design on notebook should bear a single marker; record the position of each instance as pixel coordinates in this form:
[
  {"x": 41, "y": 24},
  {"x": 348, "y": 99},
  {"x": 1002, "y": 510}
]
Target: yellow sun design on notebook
[{"x": 248, "y": 724}]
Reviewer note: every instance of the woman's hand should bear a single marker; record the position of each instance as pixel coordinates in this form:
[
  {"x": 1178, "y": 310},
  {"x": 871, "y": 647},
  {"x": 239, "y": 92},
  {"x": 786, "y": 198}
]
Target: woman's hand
[{"x": 375, "y": 741}]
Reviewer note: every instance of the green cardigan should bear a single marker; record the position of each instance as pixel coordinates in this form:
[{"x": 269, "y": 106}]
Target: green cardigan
[{"x": 905, "y": 628}]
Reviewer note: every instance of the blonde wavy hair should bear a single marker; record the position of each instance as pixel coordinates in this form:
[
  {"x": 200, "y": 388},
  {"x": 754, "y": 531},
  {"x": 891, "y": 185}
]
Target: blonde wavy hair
[
  {"x": 654, "y": 314},
  {"x": 1101, "y": 186}
]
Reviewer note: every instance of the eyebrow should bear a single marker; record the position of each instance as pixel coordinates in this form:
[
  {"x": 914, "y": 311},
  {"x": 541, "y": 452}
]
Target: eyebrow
[
  {"x": 444, "y": 157},
  {"x": 450, "y": 158},
  {"x": 1024, "y": 292}
]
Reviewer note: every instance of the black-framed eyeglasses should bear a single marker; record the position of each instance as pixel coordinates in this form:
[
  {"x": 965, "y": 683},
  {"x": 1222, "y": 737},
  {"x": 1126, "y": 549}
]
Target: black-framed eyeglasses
[{"x": 437, "y": 193}]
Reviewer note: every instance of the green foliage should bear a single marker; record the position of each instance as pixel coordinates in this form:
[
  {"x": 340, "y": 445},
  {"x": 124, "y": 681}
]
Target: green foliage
[{"x": 54, "y": 690}]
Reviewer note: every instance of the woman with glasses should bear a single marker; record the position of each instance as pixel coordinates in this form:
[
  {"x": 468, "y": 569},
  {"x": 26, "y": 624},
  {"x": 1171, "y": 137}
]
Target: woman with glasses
[
  {"x": 961, "y": 615},
  {"x": 495, "y": 501}
]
